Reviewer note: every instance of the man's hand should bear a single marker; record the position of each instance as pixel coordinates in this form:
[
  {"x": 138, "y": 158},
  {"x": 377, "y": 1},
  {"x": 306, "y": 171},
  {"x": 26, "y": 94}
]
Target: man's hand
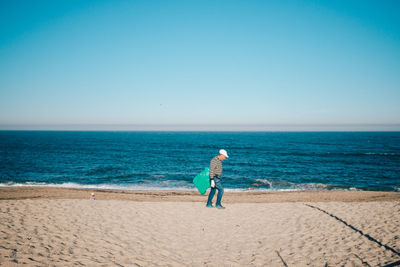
[{"x": 212, "y": 183}]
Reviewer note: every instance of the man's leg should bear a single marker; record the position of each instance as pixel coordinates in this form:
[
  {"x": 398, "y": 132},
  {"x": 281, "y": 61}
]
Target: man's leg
[
  {"x": 220, "y": 188},
  {"x": 211, "y": 196}
]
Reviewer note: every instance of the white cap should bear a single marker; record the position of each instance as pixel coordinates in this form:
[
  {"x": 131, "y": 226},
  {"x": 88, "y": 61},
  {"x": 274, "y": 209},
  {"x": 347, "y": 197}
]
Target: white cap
[{"x": 223, "y": 152}]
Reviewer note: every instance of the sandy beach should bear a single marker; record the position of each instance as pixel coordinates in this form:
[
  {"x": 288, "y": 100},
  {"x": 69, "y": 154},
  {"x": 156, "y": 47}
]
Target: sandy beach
[{"x": 62, "y": 227}]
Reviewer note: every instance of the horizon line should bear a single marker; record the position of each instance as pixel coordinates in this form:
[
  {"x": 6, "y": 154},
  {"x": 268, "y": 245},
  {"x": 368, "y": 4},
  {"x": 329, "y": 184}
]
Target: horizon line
[{"x": 363, "y": 127}]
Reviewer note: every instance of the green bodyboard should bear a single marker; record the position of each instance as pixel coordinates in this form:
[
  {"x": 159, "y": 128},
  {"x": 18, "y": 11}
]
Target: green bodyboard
[{"x": 202, "y": 181}]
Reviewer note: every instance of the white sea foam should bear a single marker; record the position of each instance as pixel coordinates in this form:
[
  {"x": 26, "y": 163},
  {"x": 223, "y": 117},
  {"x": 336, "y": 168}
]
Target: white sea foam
[
  {"x": 354, "y": 189},
  {"x": 98, "y": 186},
  {"x": 265, "y": 182},
  {"x": 121, "y": 187},
  {"x": 168, "y": 185},
  {"x": 283, "y": 185}
]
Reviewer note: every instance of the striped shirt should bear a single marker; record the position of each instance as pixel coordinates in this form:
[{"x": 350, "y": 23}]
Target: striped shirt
[{"x": 215, "y": 168}]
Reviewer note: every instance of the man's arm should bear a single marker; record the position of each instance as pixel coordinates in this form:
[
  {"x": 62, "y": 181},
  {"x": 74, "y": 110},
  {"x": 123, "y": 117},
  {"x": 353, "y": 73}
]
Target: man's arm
[
  {"x": 212, "y": 172},
  {"x": 212, "y": 169}
]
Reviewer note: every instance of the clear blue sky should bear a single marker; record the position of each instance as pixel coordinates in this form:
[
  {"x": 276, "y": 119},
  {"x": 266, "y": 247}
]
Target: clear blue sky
[{"x": 120, "y": 64}]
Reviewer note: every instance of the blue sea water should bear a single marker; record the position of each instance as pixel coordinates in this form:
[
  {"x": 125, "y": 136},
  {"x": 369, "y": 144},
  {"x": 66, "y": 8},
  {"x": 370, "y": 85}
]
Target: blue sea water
[{"x": 170, "y": 160}]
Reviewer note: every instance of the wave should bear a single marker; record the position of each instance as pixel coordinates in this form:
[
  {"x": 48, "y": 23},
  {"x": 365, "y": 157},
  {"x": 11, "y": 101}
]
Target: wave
[
  {"x": 284, "y": 185},
  {"x": 175, "y": 186},
  {"x": 157, "y": 175},
  {"x": 381, "y": 154},
  {"x": 99, "y": 186}
]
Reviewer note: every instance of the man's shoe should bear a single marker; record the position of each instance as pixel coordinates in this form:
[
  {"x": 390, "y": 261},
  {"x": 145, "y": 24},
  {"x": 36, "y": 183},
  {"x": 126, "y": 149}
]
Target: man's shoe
[
  {"x": 220, "y": 207},
  {"x": 209, "y": 206}
]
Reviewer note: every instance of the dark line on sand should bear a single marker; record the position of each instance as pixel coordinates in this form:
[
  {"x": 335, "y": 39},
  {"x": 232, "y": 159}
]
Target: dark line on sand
[
  {"x": 397, "y": 263},
  {"x": 362, "y": 261},
  {"x": 18, "y": 198},
  {"x": 279, "y": 255},
  {"x": 356, "y": 230}
]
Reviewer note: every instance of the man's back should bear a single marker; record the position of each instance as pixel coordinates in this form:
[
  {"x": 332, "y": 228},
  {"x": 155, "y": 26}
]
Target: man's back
[{"x": 215, "y": 168}]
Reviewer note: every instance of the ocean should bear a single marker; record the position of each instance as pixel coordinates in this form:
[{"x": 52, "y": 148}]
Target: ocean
[{"x": 170, "y": 160}]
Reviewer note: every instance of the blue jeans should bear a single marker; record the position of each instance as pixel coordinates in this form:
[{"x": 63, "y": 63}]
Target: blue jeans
[{"x": 218, "y": 185}]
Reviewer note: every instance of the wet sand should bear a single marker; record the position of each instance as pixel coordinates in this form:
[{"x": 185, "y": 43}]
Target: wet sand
[{"x": 194, "y": 196}]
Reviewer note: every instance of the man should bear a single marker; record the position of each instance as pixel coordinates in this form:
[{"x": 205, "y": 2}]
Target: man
[{"x": 215, "y": 179}]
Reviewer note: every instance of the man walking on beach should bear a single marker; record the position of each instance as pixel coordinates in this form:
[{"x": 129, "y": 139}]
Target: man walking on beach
[{"x": 215, "y": 179}]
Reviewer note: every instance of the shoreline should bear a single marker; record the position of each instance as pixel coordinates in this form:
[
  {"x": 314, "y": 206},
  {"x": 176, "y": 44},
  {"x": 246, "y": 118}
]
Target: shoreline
[{"x": 37, "y": 192}]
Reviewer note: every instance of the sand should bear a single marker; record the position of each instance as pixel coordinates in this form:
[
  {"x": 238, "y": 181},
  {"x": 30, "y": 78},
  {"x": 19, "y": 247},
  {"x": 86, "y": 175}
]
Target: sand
[
  {"x": 175, "y": 229},
  {"x": 193, "y": 196}
]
